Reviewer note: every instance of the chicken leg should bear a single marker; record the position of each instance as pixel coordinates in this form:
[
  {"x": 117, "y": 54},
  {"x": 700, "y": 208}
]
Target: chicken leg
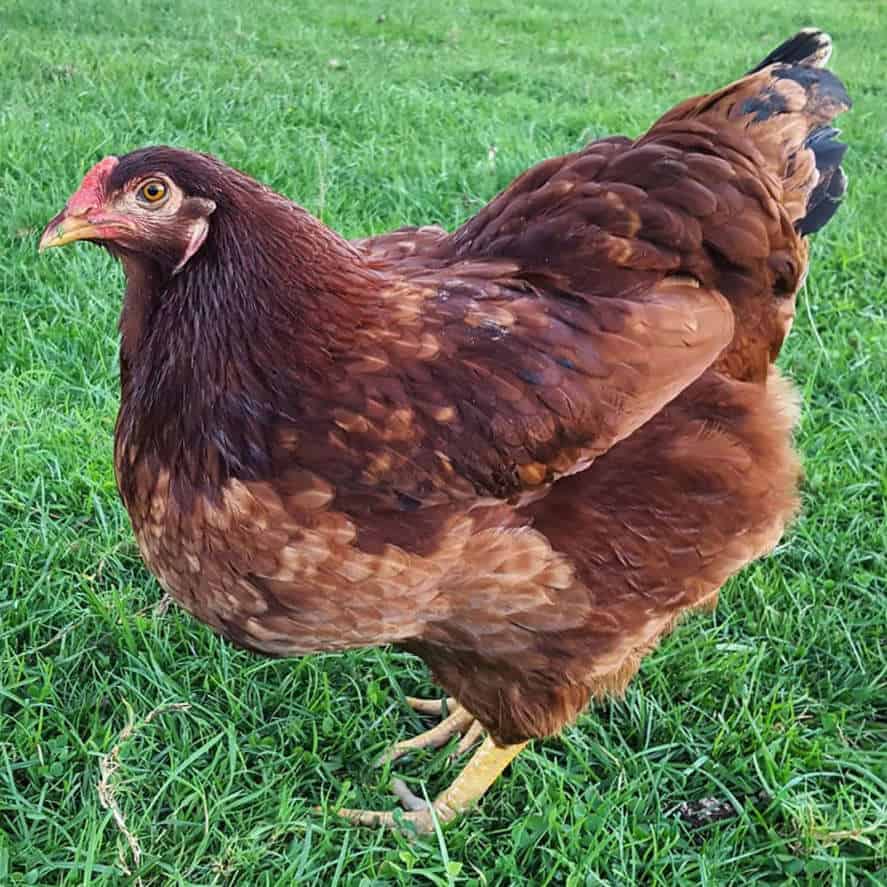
[{"x": 479, "y": 774}]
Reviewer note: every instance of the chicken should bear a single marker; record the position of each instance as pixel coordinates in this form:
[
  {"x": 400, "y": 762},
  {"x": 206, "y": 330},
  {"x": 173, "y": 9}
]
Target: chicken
[{"x": 521, "y": 450}]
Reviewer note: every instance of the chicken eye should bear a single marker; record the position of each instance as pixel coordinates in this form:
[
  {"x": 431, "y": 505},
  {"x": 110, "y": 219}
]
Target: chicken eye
[{"x": 152, "y": 192}]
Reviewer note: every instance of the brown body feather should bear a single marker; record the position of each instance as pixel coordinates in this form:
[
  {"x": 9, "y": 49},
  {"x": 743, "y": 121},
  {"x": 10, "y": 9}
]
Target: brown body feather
[{"x": 521, "y": 450}]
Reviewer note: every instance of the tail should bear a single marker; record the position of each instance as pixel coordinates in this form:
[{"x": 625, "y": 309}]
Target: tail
[
  {"x": 810, "y": 47},
  {"x": 785, "y": 106}
]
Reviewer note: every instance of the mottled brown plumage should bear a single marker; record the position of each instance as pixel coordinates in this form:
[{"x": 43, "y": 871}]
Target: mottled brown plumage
[{"x": 521, "y": 450}]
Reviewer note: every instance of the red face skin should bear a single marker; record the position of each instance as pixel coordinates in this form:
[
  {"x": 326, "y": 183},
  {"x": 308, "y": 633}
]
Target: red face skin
[{"x": 84, "y": 217}]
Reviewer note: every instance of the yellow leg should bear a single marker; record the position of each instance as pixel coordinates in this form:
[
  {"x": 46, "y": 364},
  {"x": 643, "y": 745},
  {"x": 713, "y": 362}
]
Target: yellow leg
[{"x": 479, "y": 774}]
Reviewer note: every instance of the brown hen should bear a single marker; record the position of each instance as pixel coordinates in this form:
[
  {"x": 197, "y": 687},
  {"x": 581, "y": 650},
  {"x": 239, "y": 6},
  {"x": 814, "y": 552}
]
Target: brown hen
[{"x": 521, "y": 450}]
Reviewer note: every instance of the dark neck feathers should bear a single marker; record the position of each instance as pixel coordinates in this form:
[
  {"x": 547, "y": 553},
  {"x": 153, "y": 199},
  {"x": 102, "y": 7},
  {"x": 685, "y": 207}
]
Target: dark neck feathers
[{"x": 213, "y": 358}]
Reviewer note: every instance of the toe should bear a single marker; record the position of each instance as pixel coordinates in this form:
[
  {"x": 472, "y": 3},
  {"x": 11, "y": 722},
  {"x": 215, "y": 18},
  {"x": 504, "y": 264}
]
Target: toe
[
  {"x": 420, "y": 821},
  {"x": 407, "y": 799},
  {"x": 472, "y": 736},
  {"x": 438, "y": 707},
  {"x": 455, "y": 725}
]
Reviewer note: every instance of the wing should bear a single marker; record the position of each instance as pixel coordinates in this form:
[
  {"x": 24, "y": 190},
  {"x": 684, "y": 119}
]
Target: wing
[{"x": 498, "y": 391}]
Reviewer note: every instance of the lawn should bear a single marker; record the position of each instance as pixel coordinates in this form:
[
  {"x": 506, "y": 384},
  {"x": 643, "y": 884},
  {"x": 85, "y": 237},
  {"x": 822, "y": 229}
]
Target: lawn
[{"x": 372, "y": 116}]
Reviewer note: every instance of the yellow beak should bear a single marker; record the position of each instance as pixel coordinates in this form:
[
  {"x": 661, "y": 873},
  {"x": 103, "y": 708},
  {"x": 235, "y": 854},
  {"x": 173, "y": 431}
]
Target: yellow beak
[{"x": 66, "y": 229}]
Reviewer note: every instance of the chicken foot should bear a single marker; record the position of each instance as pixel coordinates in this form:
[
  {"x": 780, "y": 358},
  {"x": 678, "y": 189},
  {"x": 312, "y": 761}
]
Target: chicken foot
[{"x": 478, "y": 775}]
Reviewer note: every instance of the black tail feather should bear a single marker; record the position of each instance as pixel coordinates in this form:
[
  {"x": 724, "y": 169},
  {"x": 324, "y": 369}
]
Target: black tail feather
[
  {"x": 829, "y": 191},
  {"x": 808, "y": 47},
  {"x": 802, "y": 58}
]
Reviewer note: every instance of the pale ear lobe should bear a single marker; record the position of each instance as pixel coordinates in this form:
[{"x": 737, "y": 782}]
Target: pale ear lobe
[{"x": 199, "y": 230}]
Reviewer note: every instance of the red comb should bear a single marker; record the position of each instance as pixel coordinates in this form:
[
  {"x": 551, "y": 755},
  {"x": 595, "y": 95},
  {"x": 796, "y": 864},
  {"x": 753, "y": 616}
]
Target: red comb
[{"x": 92, "y": 189}]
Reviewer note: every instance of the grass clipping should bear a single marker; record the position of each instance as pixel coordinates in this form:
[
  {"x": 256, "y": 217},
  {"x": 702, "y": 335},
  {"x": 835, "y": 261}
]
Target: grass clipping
[{"x": 110, "y": 764}]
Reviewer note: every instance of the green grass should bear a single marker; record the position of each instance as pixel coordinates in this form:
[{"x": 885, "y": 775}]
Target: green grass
[{"x": 374, "y": 122}]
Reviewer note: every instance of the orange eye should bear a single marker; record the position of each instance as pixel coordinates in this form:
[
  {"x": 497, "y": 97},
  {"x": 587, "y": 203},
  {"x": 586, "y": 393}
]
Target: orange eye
[{"x": 152, "y": 192}]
